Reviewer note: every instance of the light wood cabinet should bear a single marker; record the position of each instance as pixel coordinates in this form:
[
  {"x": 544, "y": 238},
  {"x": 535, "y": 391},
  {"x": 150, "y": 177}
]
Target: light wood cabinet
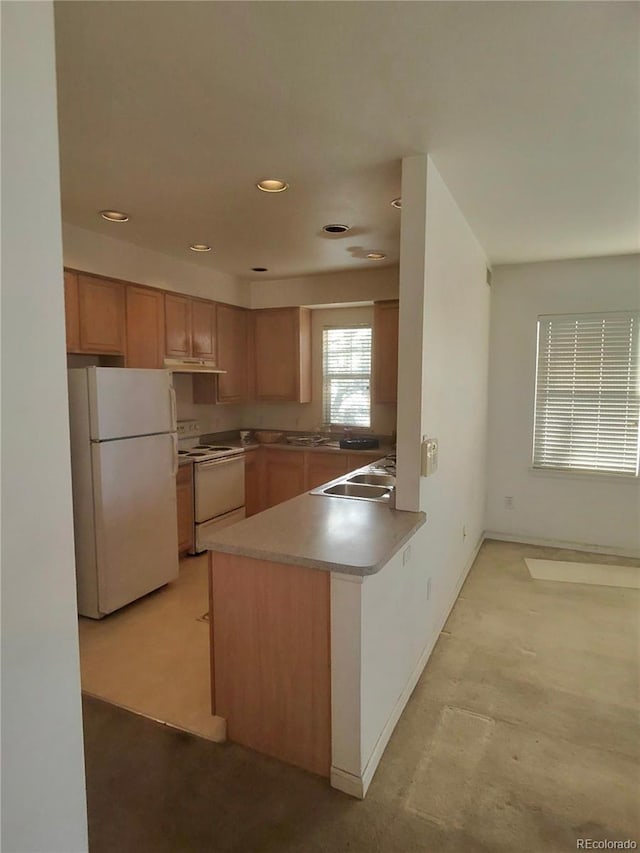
[
  {"x": 385, "y": 352},
  {"x": 282, "y": 354},
  {"x": 284, "y": 475},
  {"x": 177, "y": 320},
  {"x": 102, "y": 315},
  {"x": 72, "y": 311},
  {"x": 324, "y": 466},
  {"x": 203, "y": 329},
  {"x": 233, "y": 342},
  {"x": 363, "y": 457},
  {"x": 184, "y": 495},
  {"x": 253, "y": 481},
  {"x": 145, "y": 327}
]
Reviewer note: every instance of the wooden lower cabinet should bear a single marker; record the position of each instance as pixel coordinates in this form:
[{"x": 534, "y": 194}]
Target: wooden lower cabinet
[
  {"x": 184, "y": 494},
  {"x": 363, "y": 457},
  {"x": 253, "y": 482},
  {"x": 271, "y": 657},
  {"x": 274, "y": 475},
  {"x": 324, "y": 466},
  {"x": 284, "y": 475}
]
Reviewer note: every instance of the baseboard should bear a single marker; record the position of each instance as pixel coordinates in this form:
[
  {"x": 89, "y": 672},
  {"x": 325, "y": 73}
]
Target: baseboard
[
  {"x": 347, "y": 783},
  {"x": 523, "y": 539},
  {"x": 358, "y": 786}
]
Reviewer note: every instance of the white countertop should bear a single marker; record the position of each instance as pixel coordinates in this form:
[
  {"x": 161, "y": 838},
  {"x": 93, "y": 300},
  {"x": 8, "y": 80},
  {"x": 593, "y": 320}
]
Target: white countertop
[{"x": 320, "y": 532}]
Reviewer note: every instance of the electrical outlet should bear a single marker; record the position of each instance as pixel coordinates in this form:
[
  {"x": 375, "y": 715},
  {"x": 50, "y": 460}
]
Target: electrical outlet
[
  {"x": 428, "y": 589},
  {"x": 508, "y": 501},
  {"x": 406, "y": 555}
]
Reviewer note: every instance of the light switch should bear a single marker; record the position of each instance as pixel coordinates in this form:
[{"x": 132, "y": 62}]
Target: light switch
[{"x": 429, "y": 456}]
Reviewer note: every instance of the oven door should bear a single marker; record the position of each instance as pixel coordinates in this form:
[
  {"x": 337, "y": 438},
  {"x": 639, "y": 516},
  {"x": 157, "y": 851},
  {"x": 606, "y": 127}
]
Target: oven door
[
  {"x": 219, "y": 487},
  {"x": 216, "y": 524}
]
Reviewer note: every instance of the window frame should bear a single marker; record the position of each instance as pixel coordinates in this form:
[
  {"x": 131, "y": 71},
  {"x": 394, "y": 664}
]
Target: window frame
[
  {"x": 633, "y": 397},
  {"x": 326, "y": 403}
]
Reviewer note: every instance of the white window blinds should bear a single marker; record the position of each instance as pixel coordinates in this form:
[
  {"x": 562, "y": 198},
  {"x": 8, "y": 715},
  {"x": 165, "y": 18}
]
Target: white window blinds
[
  {"x": 346, "y": 371},
  {"x": 587, "y": 404}
]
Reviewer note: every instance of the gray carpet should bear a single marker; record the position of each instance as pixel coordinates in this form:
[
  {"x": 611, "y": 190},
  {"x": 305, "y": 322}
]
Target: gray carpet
[{"x": 522, "y": 735}]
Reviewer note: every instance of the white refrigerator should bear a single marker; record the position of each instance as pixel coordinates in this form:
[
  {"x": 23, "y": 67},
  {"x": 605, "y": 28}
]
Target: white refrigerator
[{"x": 124, "y": 461}]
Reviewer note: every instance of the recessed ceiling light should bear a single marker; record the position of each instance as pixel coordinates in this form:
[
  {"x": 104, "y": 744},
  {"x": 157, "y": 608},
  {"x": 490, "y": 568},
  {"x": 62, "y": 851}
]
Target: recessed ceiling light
[
  {"x": 260, "y": 269},
  {"x": 375, "y": 256},
  {"x": 272, "y": 185},
  {"x": 200, "y": 247},
  {"x": 114, "y": 215},
  {"x": 336, "y": 228},
  {"x": 397, "y": 203}
]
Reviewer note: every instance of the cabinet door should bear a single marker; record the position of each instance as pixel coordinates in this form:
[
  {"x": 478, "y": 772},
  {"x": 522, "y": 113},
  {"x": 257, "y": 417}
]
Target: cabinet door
[
  {"x": 322, "y": 466},
  {"x": 204, "y": 335},
  {"x": 101, "y": 305},
  {"x": 363, "y": 457},
  {"x": 184, "y": 495},
  {"x": 145, "y": 327},
  {"x": 253, "y": 482},
  {"x": 282, "y": 354},
  {"x": 177, "y": 322},
  {"x": 233, "y": 386},
  {"x": 284, "y": 475},
  {"x": 72, "y": 311},
  {"x": 385, "y": 352}
]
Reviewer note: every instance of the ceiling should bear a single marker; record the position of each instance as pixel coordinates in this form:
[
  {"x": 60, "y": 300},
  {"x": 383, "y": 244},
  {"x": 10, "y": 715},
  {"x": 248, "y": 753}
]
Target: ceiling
[{"x": 171, "y": 111}]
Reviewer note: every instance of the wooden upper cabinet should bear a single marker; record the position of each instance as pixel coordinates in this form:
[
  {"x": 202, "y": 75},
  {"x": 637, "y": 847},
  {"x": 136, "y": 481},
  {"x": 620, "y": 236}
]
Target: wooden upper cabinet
[
  {"x": 177, "y": 319},
  {"x": 204, "y": 333},
  {"x": 282, "y": 354},
  {"x": 233, "y": 341},
  {"x": 102, "y": 315},
  {"x": 385, "y": 352},
  {"x": 145, "y": 327},
  {"x": 72, "y": 311}
]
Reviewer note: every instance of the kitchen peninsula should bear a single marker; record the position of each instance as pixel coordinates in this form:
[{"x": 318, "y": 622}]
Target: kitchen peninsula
[{"x": 302, "y": 603}]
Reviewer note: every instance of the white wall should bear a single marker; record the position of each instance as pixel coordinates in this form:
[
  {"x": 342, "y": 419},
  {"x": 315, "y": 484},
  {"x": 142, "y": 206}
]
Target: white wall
[
  {"x": 370, "y": 285},
  {"x": 444, "y": 353},
  {"x": 43, "y": 800},
  {"x": 113, "y": 257},
  {"x": 587, "y": 510}
]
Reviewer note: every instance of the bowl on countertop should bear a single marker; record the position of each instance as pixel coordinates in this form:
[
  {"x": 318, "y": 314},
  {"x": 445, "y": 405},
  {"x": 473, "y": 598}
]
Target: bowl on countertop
[{"x": 268, "y": 436}]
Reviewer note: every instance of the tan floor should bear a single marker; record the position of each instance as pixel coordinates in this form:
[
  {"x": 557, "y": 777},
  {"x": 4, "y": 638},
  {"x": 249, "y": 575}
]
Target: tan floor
[{"x": 152, "y": 657}]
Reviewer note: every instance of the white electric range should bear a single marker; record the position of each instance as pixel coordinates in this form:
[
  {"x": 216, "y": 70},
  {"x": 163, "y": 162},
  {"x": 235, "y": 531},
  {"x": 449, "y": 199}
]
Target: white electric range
[{"x": 218, "y": 482}]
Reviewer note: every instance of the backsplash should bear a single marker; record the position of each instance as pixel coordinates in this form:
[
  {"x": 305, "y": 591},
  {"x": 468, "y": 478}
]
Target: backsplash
[{"x": 220, "y": 418}]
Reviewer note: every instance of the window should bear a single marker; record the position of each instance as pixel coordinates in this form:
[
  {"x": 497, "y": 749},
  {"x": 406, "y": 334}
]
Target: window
[
  {"x": 587, "y": 405},
  {"x": 346, "y": 372}
]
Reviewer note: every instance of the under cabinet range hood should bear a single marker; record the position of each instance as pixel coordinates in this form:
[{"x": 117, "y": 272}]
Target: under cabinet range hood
[{"x": 191, "y": 365}]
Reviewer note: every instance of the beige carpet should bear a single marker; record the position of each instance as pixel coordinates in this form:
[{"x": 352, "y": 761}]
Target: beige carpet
[
  {"x": 152, "y": 657},
  {"x": 521, "y": 735}
]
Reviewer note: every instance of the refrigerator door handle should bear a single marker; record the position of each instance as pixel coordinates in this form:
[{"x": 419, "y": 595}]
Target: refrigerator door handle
[
  {"x": 174, "y": 454},
  {"x": 174, "y": 409}
]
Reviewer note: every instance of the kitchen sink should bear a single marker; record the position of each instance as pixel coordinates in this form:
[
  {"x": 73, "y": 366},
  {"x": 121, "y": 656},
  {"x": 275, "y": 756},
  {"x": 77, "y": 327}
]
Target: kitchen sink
[
  {"x": 373, "y": 479},
  {"x": 358, "y": 490}
]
